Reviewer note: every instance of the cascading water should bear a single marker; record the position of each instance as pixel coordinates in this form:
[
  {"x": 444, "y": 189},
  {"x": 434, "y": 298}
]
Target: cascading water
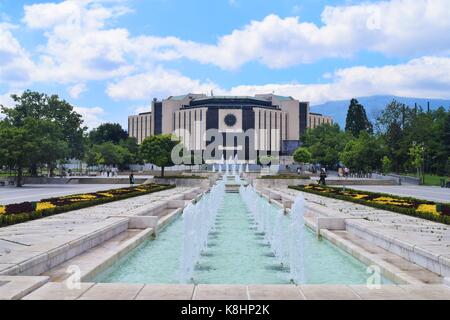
[
  {"x": 296, "y": 233},
  {"x": 198, "y": 221},
  {"x": 287, "y": 245}
]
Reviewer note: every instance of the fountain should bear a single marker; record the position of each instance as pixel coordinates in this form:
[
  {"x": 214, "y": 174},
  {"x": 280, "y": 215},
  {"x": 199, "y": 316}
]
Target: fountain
[
  {"x": 252, "y": 243},
  {"x": 296, "y": 231},
  {"x": 198, "y": 221},
  {"x": 286, "y": 245}
]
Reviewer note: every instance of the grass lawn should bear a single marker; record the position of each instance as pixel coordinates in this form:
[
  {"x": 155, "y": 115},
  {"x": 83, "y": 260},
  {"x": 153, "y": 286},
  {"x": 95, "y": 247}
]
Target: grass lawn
[{"x": 431, "y": 179}]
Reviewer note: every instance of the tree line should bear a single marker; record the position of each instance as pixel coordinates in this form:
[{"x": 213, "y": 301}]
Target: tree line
[
  {"x": 402, "y": 139},
  {"x": 43, "y": 131}
]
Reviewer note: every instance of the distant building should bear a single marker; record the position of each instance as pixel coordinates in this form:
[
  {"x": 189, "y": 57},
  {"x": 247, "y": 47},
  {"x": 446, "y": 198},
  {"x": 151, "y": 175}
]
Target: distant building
[
  {"x": 277, "y": 123},
  {"x": 316, "y": 119}
]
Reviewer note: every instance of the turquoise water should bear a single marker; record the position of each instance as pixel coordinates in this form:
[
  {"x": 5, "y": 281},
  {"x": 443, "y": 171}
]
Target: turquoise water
[{"x": 236, "y": 254}]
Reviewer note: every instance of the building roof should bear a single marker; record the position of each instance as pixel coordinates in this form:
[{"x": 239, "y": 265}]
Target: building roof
[{"x": 229, "y": 101}]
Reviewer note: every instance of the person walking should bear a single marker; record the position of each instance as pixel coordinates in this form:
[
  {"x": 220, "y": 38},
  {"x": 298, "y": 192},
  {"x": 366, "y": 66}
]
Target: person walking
[
  {"x": 132, "y": 179},
  {"x": 323, "y": 175},
  {"x": 346, "y": 172}
]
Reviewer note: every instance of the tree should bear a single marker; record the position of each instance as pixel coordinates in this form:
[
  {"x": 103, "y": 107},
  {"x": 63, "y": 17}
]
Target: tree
[
  {"x": 157, "y": 150},
  {"x": 386, "y": 164},
  {"x": 357, "y": 120},
  {"x": 110, "y": 154},
  {"x": 66, "y": 125},
  {"x": 416, "y": 154},
  {"x": 362, "y": 154},
  {"x": 16, "y": 145},
  {"x": 132, "y": 146},
  {"x": 325, "y": 142},
  {"x": 302, "y": 155},
  {"x": 108, "y": 132}
]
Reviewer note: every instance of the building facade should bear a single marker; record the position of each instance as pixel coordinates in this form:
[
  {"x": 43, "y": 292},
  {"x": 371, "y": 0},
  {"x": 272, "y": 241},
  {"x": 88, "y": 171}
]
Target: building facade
[
  {"x": 243, "y": 127},
  {"x": 317, "y": 119}
]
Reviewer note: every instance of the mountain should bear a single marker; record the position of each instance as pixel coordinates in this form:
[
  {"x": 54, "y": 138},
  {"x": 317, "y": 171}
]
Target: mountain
[{"x": 373, "y": 106}]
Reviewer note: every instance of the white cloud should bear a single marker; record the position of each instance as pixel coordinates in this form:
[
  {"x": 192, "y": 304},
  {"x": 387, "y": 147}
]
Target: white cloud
[
  {"x": 15, "y": 64},
  {"x": 92, "y": 116},
  {"x": 399, "y": 27},
  {"x": 427, "y": 77},
  {"x": 79, "y": 48},
  {"x": 82, "y": 47},
  {"x": 76, "y": 90},
  {"x": 141, "y": 109},
  {"x": 156, "y": 83},
  {"x": 6, "y": 101}
]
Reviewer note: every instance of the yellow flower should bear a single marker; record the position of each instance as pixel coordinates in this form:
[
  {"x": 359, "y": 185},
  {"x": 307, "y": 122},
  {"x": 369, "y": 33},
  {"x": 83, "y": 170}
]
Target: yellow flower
[
  {"x": 359, "y": 196},
  {"x": 105, "y": 194},
  {"x": 2, "y": 210},
  {"x": 392, "y": 201},
  {"x": 44, "y": 205},
  {"x": 428, "y": 208},
  {"x": 87, "y": 196}
]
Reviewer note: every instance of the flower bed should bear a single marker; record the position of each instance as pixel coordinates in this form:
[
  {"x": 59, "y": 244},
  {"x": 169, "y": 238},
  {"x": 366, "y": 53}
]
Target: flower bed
[
  {"x": 286, "y": 176},
  {"x": 429, "y": 210},
  {"x": 21, "y": 212}
]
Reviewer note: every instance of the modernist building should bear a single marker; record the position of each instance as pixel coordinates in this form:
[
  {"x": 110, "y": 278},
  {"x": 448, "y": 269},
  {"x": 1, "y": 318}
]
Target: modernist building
[
  {"x": 316, "y": 119},
  {"x": 265, "y": 124}
]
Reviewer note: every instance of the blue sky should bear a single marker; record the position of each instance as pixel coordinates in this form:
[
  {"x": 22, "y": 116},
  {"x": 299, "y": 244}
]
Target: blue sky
[{"x": 109, "y": 58}]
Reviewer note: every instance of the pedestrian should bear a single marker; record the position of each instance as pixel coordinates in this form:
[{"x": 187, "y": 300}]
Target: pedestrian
[
  {"x": 298, "y": 171},
  {"x": 132, "y": 179},
  {"x": 340, "y": 172},
  {"x": 346, "y": 172},
  {"x": 323, "y": 175}
]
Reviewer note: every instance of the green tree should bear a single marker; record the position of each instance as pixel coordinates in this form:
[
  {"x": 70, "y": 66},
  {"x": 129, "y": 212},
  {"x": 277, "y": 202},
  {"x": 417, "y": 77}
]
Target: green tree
[
  {"x": 357, "y": 120},
  {"x": 325, "y": 142},
  {"x": 108, "y": 132},
  {"x": 110, "y": 154},
  {"x": 416, "y": 154},
  {"x": 302, "y": 155},
  {"x": 157, "y": 150},
  {"x": 363, "y": 154},
  {"x": 66, "y": 124},
  {"x": 132, "y": 146},
  {"x": 386, "y": 164},
  {"x": 16, "y": 145}
]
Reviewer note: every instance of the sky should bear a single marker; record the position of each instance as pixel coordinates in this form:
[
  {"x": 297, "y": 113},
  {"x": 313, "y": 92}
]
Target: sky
[{"x": 110, "y": 58}]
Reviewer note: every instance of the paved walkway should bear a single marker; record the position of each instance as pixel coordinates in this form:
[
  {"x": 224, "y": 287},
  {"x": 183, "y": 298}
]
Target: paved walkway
[
  {"x": 421, "y": 192},
  {"x": 427, "y": 238},
  {"x": 31, "y": 241},
  {"x": 37, "y": 192},
  {"x": 118, "y": 291}
]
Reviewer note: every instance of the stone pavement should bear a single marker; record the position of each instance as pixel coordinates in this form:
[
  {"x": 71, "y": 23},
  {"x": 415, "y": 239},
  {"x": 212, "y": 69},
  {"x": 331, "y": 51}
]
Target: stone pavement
[
  {"x": 33, "y": 247},
  {"x": 423, "y": 242},
  {"x": 110, "y": 291}
]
